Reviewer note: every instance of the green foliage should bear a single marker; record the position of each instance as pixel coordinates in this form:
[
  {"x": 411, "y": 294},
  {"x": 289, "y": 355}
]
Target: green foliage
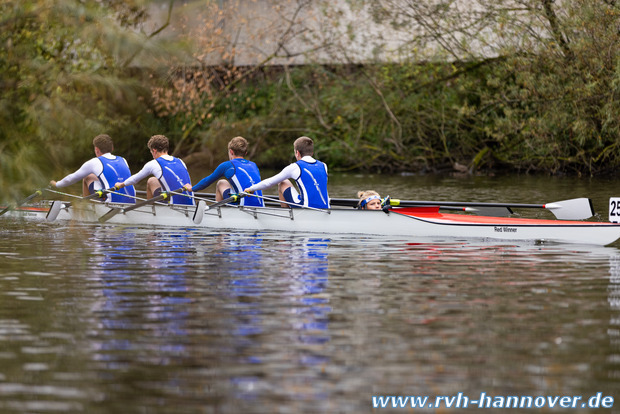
[
  {"x": 511, "y": 113},
  {"x": 549, "y": 103},
  {"x": 60, "y": 86},
  {"x": 559, "y": 110}
]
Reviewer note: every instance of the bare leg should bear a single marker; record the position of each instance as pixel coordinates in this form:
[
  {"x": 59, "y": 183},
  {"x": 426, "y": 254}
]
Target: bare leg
[
  {"x": 151, "y": 185},
  {"x": 220, "y": 187},
  {"x": 90, "y": 178},
  {"x": 282, "y": 187}
]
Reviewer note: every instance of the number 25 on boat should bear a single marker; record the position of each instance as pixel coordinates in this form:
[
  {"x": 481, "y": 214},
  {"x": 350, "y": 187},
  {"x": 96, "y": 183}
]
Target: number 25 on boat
[{"x": 614, "y": 209}]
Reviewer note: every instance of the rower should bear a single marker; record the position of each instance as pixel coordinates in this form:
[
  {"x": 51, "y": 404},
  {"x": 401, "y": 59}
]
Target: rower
[
  {"x": 238, "y": 173},
  {"x": 168, "y": 173},
  {"x": 102, "y": 172},
  {"x": 309, "y": 174}
]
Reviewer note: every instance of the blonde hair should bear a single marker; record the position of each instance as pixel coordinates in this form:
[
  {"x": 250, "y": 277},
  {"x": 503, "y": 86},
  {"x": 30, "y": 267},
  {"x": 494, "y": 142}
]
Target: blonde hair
[
  {"x": 239, "y": 146},
  {"x": 363, "y": 195}
]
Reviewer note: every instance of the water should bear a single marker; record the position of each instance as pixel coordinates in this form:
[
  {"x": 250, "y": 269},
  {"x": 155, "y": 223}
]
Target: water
[{"x": 103, "y": 319}]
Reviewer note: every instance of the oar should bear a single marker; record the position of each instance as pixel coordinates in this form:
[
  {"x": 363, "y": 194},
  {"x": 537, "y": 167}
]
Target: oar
[
  {"x": 199, "y": 212},
  {"x": 202, "y": 206},
  {"x": 271, "y": 200},
  {"x": 24, "y": 201},
  {"x": 99, "y": 193},
  {"x": 574, "y": 209},
  {"x": 505, "y": 212},
  {"x": 162, "y": 196},
  {"x": 479, "y": 210},
  {"x": 52, "y": 213},
  {"x": 232, "y": 199}
]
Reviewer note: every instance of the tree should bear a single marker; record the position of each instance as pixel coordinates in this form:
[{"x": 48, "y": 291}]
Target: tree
[
  {"x": 523, "y": 84},
  {"x": 231, "y": 42},
  {"x": 548, "y": 97},
  {"x": 64, "y": 79}
]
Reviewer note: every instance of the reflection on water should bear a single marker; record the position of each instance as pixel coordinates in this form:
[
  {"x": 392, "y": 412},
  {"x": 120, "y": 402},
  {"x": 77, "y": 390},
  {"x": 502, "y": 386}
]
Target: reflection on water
[{"x": 101, "y": 319}]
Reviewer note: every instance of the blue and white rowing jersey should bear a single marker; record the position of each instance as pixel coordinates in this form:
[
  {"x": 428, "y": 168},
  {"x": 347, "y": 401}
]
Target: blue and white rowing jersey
[
  {"x": 246, "y": 175},
  {"x": 174, "y": 176},
  {"x": 312, "y": 184},
  {"x": 116, "y": 170}
]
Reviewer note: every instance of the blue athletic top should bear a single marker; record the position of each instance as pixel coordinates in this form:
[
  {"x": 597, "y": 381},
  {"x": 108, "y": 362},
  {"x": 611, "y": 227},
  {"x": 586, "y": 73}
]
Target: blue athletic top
[
  {"x": 241, "y": 174},
  {"x": 312, "y": 184},
  {"x": 115, "y": 171},
  {"x": 174, "y": 177}
]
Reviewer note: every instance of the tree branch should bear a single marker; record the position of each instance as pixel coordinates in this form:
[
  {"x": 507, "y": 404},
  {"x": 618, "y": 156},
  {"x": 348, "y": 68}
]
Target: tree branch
[
  {"x": 555, "y": 28},
  {"x": 153, "y": 34}
]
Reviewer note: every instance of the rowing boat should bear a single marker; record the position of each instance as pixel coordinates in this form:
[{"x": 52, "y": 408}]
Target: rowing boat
[{"x": 406, "y": 222}]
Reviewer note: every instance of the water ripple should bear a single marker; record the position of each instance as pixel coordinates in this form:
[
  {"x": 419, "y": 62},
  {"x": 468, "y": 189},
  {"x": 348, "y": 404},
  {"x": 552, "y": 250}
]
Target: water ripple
[{"x": 185, "y": 320}]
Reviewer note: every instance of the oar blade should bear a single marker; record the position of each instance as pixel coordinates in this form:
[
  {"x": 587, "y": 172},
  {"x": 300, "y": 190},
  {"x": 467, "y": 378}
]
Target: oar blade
[
  {"x": 54, "y": 210},
  {"x": 199, "y": 212},
  {"x": 574, "y": 209}
]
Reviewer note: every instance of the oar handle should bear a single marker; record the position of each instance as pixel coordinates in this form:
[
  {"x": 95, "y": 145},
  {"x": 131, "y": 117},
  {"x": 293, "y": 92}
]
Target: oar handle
[
  {"x": 100, "y": 193},
  {"x": 233, "y": 198},
  {"x": 30, "y": 197},
  {"x": 24, "y": 201}
]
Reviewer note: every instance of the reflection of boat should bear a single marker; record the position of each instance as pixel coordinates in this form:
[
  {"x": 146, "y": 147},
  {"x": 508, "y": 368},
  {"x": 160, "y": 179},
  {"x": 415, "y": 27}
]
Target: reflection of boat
[{"x": 416, "y": 222}]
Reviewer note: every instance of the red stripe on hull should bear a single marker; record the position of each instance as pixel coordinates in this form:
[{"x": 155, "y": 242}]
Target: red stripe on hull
[{"x": 433, "y": 214}]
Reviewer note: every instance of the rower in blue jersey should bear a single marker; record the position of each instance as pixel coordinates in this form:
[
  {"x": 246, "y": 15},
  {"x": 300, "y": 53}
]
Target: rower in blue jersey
[
  {"x": 168, "y": 173},
  {"x": 102, "y": 172},
  {"x": 115, "y": 169},
  {"x": 238, "y": 173},
  {"x": 309, "y": 174}
]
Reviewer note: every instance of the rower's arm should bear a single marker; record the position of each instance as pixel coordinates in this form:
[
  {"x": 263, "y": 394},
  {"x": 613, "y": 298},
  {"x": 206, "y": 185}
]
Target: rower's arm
[
  {"x": 291, "y": 171},
  {"x": 220, "y": 171},
  {"x": 89, "y": 167}
]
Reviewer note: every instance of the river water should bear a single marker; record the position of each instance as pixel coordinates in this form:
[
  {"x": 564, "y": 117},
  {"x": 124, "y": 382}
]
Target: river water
[{"x": 104, "y": 319}]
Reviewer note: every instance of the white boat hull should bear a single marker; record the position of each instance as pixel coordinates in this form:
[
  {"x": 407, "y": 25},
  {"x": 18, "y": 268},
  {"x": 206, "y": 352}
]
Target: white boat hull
[{"x": 346, "y": 221}]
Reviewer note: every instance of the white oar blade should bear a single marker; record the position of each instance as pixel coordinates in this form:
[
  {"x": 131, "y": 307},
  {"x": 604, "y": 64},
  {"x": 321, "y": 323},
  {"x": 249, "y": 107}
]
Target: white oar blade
[
  {"x": 200, "y": 212},
  {"x": 53, "y": 211},
  {"x": 574, "y": 209}
]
